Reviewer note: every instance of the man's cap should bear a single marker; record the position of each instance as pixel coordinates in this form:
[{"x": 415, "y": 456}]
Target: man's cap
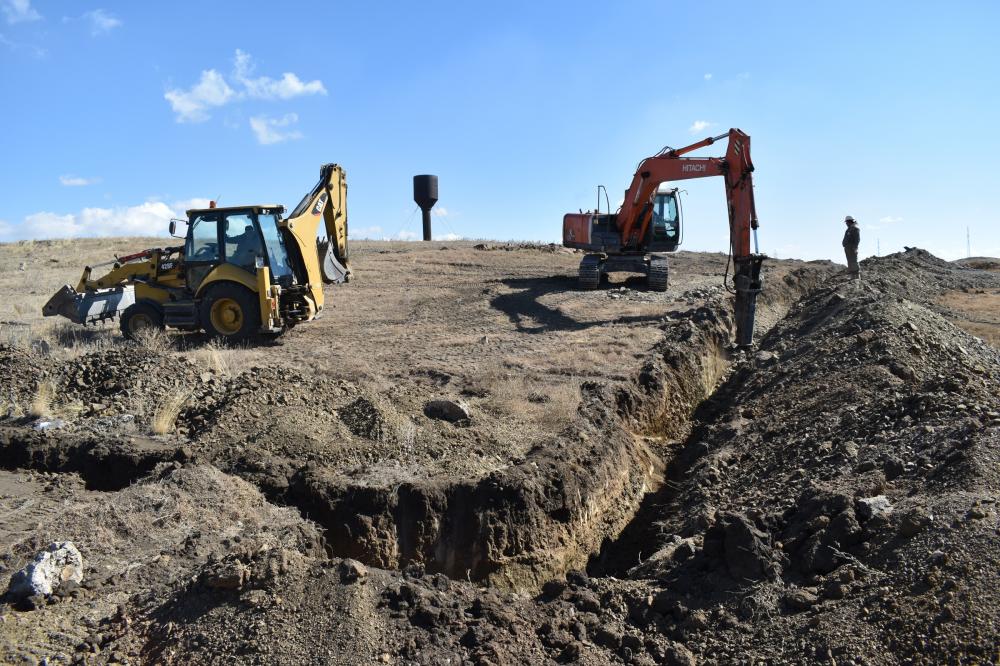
[{"x": 848, "y": 219}]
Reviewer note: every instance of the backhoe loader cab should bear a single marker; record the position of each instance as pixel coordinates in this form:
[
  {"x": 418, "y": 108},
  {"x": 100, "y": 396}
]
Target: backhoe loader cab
[
  {"x": 242, "y": 270},
  {"x": 247, "y": 238}
]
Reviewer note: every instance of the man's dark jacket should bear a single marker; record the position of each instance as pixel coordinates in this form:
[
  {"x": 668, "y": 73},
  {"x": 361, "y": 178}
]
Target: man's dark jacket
[{"x": 852, "y": 237}]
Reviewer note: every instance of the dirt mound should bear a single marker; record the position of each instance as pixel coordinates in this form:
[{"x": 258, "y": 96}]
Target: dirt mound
[
  {"x": 919, "y": 276},
  {"x": 834, "y": 498},
  {"x": 980, "y": 263},
  {"x": 153, "y": 536},
  {"x": 847, "y": 469}
]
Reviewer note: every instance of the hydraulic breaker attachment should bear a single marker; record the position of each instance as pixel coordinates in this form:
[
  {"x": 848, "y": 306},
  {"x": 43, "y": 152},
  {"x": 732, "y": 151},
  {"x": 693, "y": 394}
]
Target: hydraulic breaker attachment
[
  {"x": 748, "y": 284},
  {"x": 89, "y": 306}
]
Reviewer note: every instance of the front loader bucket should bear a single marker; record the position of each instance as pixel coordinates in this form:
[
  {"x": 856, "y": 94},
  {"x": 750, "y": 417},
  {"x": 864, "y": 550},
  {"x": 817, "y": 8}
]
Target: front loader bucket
[
  {"x": 90, "y": 306},
  {"x": 333, "y": 271}
]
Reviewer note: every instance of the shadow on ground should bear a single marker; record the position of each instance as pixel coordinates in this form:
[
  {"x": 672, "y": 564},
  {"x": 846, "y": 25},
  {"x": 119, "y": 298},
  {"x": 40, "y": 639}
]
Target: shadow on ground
[{"x": 530, "y": 315}]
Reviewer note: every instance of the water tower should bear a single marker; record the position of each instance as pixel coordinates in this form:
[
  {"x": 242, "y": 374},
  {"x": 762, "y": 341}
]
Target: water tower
[{"x": 425, "y": 194}]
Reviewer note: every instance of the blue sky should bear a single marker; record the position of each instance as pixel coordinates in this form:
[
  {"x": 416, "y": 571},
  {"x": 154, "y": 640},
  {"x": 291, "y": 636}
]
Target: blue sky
[{"x": 118, "y": 115}]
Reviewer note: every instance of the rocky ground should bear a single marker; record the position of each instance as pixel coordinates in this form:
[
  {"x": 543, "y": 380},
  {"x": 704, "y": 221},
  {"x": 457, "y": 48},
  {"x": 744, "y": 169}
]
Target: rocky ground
[{"x": 829, "y": 496}]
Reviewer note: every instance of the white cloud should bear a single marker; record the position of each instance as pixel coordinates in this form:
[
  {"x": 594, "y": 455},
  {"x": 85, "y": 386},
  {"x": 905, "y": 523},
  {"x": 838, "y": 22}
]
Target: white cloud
[
  {"x": 450, "y": 237},
  {"x": 147, "y": 219},
  {"x": 890, "y": 219},
  {"x": 699, "y": 126},
  {"x": 439, "y": 211},
  {"x": 268, "y": 130},
  {"x": 708, "y": 76},
  {"x": 406, "y": 235},
  {"x": 33, "y": 49},
  {"x": 19, "y": 11},
  {"x": 212, "y": 90},
  {"x": 191, "y": 105},
  {"x": 370, "y": 233},
  {"x": 264, "y": 87},
  {"x": 77, "y": 181},
  {"x": 187, "y": 204},
  {"x": 101, "y": 22}
]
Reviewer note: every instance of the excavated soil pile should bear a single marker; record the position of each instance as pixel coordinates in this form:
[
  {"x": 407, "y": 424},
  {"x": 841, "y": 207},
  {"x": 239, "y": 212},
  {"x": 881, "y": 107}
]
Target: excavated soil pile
[{"x": 834, "y": 498}]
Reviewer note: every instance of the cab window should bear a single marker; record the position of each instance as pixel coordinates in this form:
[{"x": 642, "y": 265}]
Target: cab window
[
  {"x": 242, "y": 241},
  {"x": 203, "y": 240},
  {"x": 665, "y": 214},
  {"x": 277, "y": 254}
]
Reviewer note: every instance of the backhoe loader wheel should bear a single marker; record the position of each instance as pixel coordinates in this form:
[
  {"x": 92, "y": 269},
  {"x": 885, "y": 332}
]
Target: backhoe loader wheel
[
  {"x": 140, "y": 317},
  {"x": 230, "y": 312}
]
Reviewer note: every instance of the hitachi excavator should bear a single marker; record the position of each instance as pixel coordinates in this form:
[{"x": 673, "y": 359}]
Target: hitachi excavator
[
  {"x": 649, "y": 223},
  {"x": 242, "y": 271}
]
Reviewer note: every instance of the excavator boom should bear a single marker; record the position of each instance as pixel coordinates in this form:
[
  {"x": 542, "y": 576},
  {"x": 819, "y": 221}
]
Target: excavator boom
[{"x": 635, "y": 216}]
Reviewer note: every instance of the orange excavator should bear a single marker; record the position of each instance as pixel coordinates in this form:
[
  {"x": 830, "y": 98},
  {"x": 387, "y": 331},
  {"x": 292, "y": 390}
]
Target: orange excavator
[{"x": 649, "y": 224}]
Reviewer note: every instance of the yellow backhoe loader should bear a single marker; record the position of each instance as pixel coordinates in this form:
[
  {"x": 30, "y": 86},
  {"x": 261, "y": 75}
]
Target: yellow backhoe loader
[{"x": 242, "y": 271}]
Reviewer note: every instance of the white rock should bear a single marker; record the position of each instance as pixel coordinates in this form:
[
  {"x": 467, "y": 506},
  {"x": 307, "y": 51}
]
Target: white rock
[
  {"x": 869, "y": 507},
  {"x": 52, "y": 567}
]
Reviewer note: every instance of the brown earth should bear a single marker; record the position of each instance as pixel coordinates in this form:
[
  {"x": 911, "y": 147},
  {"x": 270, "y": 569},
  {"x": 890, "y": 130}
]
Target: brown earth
[{"x": 757, "y": 547}]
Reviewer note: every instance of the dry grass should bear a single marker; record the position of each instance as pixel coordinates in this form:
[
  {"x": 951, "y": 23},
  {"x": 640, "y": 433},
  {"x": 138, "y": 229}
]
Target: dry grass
[
  {"x": 154, "y": 340},
  {"x": 980, "y": 313},
  {"x": 166, "y": 413},
  {"x": 42, "y": 402},
  {"x": 549, "y": 404},
  {"x": 222, "y": 359}
]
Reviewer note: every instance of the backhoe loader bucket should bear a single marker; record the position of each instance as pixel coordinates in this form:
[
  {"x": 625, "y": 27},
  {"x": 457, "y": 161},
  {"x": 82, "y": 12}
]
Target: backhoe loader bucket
[
  {"x": 90, "y": 306},
  {"x": 333, "y": 271}
]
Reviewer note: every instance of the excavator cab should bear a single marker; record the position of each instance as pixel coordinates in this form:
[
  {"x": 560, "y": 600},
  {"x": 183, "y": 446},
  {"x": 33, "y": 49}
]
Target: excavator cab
[{"x": 665, "y": 227}]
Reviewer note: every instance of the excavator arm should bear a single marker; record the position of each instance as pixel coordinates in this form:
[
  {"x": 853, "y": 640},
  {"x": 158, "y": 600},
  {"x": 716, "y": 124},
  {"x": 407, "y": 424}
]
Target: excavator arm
[
  {"x": 323, "y": 260},
  {"x": 736, "y": 168}
]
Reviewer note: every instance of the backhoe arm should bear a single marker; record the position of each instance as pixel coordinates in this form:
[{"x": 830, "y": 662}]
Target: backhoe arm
[{"x": 326, "y": 260}]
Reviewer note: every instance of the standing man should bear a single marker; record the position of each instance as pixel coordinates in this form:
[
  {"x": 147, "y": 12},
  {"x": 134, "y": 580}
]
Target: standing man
[{"x": 852, "y": 239}]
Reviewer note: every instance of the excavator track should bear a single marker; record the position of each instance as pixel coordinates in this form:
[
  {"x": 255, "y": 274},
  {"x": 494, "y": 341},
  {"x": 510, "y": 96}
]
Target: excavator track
[
  {"x": 590, "y": 272},
  {"x": 659, "y": 271}
]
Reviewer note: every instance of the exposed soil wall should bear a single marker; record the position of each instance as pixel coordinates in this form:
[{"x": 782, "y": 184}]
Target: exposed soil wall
[{"x": 551, "y": 511}]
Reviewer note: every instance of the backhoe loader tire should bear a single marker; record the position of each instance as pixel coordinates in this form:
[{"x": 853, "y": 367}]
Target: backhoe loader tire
[
  {"x": 139, "y": 317},
  {"x": 230, "y": 312}
]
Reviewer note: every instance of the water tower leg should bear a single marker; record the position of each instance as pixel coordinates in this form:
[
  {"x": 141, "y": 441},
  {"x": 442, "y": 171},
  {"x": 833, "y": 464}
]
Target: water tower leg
[{"x": 427, "y": 224}]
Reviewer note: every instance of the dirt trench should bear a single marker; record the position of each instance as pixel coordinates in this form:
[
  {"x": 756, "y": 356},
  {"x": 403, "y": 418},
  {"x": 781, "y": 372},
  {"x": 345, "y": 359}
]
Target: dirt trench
[{"x": 550, "y": 510}]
